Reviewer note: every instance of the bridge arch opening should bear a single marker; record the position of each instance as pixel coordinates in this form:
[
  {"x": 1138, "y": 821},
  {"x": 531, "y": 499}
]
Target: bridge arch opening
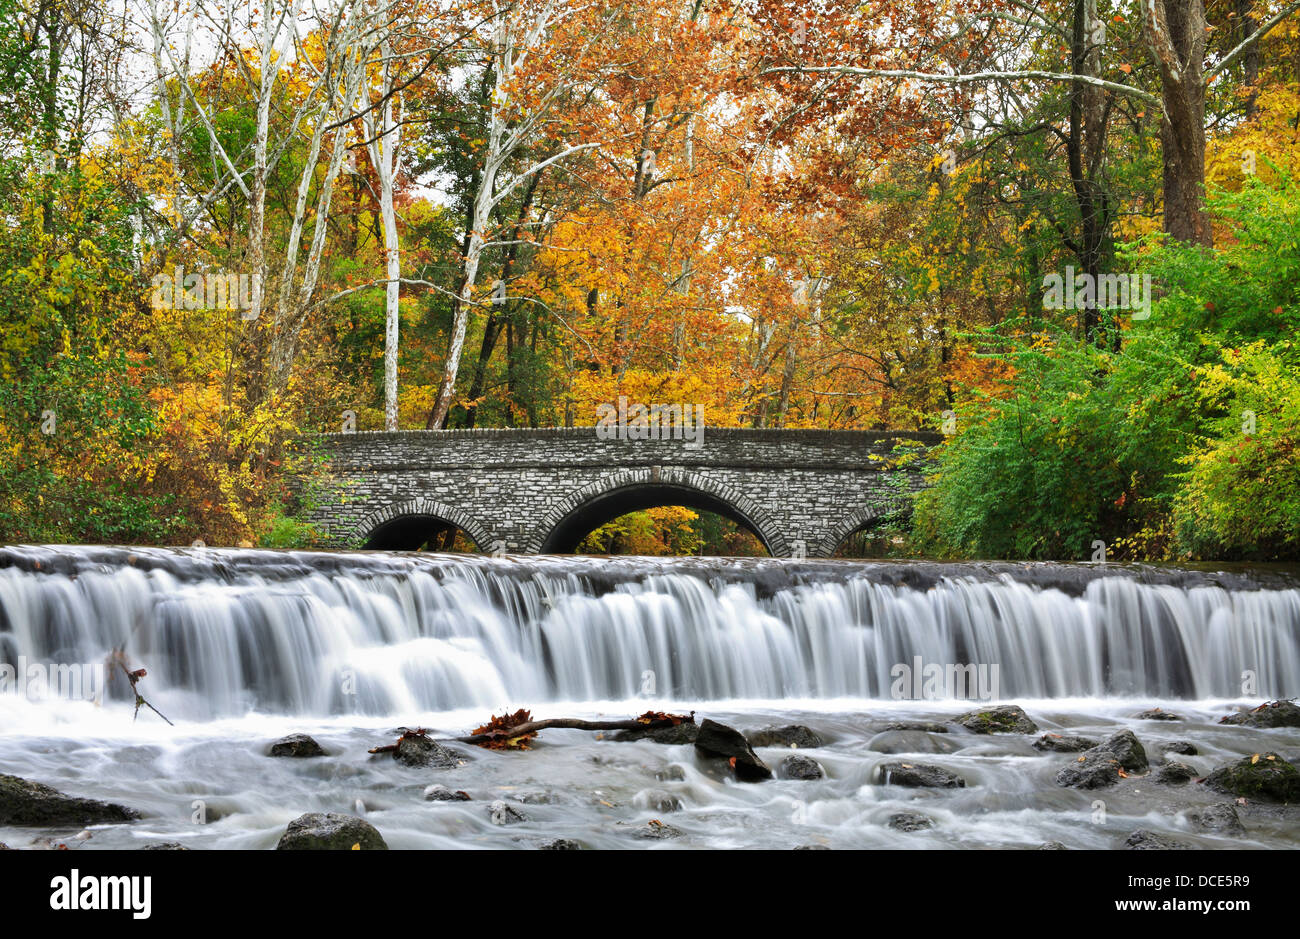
[
  {"x": 566, "y": 535},
  {"x": 872, "y": 533},
  {"x": 420, "y": 533},
  {"x": 420, "y": 525}
]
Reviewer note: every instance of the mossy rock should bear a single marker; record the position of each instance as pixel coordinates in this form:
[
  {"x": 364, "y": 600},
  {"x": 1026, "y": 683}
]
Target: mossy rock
[
  {"x": 34, "y": 805},
  {"x": 1265, "y": 777},
  {"x": 1005, "y": 719},
  {"x": 1272, "y": 714}
]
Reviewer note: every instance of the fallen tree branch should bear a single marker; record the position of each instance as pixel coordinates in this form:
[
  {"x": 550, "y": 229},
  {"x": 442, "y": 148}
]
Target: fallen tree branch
[{"x": 502, "y": 735}]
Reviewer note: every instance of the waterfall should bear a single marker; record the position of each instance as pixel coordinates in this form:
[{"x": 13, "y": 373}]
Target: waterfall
[{"x": 224, "y": 633}]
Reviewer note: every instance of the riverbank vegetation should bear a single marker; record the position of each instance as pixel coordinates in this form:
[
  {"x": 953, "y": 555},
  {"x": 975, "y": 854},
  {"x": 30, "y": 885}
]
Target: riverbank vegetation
[{"x": 231, "y": 227}]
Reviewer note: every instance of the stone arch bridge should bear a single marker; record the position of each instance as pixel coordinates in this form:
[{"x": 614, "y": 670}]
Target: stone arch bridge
[{"x": 801, "y": 492}]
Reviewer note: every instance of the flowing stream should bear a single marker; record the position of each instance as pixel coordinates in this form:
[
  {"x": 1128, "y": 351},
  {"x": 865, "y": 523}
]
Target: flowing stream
[{"x": 241, "y": 647}]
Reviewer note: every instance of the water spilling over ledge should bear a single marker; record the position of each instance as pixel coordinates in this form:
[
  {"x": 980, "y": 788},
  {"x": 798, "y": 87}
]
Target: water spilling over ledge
[{"x": 228, "y": 632}]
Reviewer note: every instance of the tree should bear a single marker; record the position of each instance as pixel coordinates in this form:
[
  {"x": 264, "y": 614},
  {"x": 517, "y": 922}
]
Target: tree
[{"x": 1175, "y": 32}]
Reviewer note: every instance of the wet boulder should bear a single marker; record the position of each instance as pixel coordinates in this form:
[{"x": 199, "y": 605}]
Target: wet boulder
[
  {"x": 655, "y": 830},
  {"x": 165, "y": 846},
  {"x": 31, "y": 804},
  {"x": 1095, "y": 769},
  {"x": 1265, "y": 777},
  {"x": 928, "y": 727},
  {"x": 1052, "y": 846},
  {"x": 1272, "y": 714},
  {"x": 501, "y": 812},
  {"x": 1181, "y": 747},
  {"x": 918, "y": 776},
  {"x": 718, "y": 741},
  {"x": 1156, "y": 714},
  {"x": 438, "y": 793},
  {"x": 296, "y": 745},
  {"x": 1143, "y": 840},
  {"x": 795, "y": 736},
  {"x": 329, "y": 831},
  {"x": 1218, "y": 819},
  {"x": 1175, "y": 774},
  {"x": 419, "y": 751},
  {"x": 658, "y": 801},
  {"x": 676, "y": 735},
  {"x": 560, "y": 844},
  {"x": 1004, "y": 719},
  {"x": 1063, "y": 743},
  {"x": 800, "y": 767},
  {"x": 1126, "y": 747},
  {"x": 913, "y": 741},
  {"x": 910, "y": 821}
]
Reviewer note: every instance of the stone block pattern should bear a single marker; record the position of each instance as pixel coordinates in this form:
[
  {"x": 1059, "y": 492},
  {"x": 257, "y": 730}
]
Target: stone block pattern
[{"x": 803, "y": 491}]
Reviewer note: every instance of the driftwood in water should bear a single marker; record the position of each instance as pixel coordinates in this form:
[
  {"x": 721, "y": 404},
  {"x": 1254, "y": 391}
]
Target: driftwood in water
[{"x": 513, "y": 731}]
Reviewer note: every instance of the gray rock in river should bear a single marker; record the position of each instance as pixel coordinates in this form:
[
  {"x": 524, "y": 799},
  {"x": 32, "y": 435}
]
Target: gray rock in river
[
  {"x": 795, "y": 736},
  {"x": 929, "y": 727},
  {"x": 1175, "y": 774},
  {"x": 718, "y": 741},
  {"x": 1156, "y": 714},
  {"x": 1181, "y": 747},
  {"x": 1143, "y": 840},
  {"x": 1004, "y": 719},
  {"x": 678, "y": 734},
  {"x": 165, "y": 846},
  {"x": 1095, "y": 769},
  {"x": 299, "y": 745},
  {"x": 501, "y": 812},
  {"x": 1052, "y": 846},
  {"x": 918, "y": 775},
  {"x": 329, "y": 831},
  {"x": 659, "y": 801},
  {"x": 560, "y": 844},
  {"x": 1063, "y": 743},
  {"x": 1220, "y": 819},
  {"x": 655, "y": 830},
  {"x": 1265, "y": 777},
  {"x": 440, "y": 793},
  {"x": 800, "y": 767},
  {"x": 417, "y": 751},
  {"x": 1126, "y": 747},
  {"x": 1272, "y": 714},
  {"x": 31, "y": 804},
  {"x": 914, "y": 741},
  {"x": 910, "y": 821}
]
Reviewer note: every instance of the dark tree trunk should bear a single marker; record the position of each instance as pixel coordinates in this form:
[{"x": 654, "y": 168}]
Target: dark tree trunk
[{"x": 1175, "y": 33}]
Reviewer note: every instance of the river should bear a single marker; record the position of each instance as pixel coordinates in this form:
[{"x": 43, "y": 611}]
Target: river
[{"x": 244, "y": 646}]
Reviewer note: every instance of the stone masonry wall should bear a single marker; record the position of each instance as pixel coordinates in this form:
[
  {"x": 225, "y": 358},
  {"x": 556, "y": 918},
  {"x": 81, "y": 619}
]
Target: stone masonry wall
[{"x": 802, "y": 490}]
